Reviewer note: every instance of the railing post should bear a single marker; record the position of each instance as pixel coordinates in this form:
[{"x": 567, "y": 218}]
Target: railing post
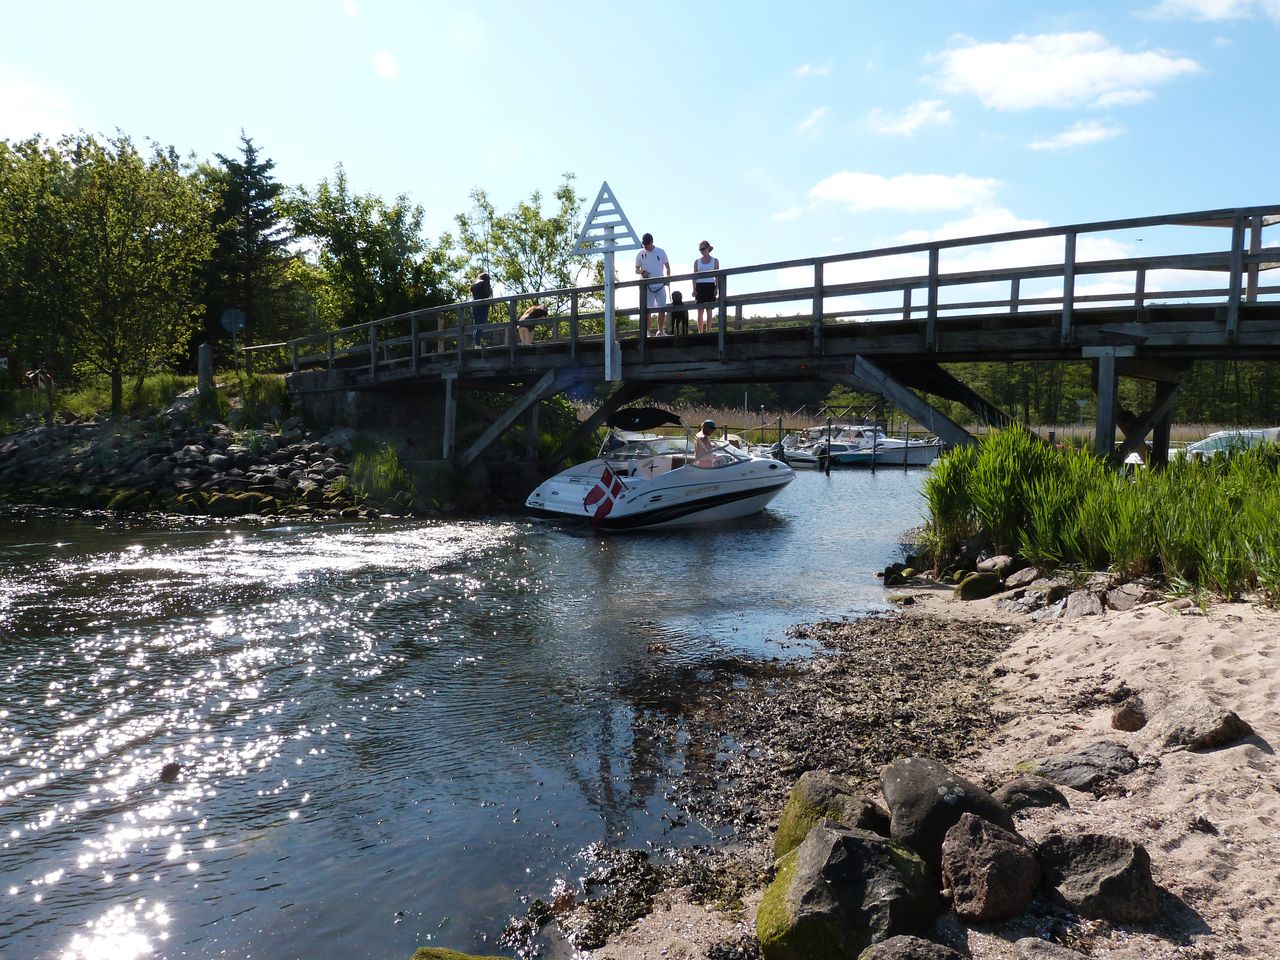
[
  {"x": 1140, "y": 289},
  {"x": 817, "y": 309},
  {"x": 413, "y": 341},
  {"x": 644, "y": 323},
  {"x": 1015, "y": 292},
  {"x": 1237, "y": 270},
  {"x": 1255, "y": 247},
  {"x": 373, "y": 349},
  {"x": 462, "y": 338},
  {"x": 722, "y": 321},
  {"x": 573, "y": 327},
  {"x": 906, "y": 302},
  {"x": 329, "y": 351},
  {"x": 513, "y": 334},
  {"x": 931, "y": 318},
  {"x": 1068, "y": 284}
]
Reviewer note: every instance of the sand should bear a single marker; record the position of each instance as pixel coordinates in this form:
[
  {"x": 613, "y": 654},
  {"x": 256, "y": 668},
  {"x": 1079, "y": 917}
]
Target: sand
[{"x": 1210, "y": 820}]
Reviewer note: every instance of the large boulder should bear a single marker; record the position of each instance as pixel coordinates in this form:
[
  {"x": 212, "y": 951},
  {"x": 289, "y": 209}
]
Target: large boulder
[
  {"x": 1027, "y": 791},
  {"x": 909, "y": 948},
  {"x": 1101, "y": 876},
  {"x": 816, "y": 796},
  {"x": 992, "y": 874},
  {"x": 1198, "y": 725},
  {"x": 839, "y": 892},
  {"x": 1087, "y": 768},
  {"x": 975, "y": 586},
  {"x": 926, "y": 799}
]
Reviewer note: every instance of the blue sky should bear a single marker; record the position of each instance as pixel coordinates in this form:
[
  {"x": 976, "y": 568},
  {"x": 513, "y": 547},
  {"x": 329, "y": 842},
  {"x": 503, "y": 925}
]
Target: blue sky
[{"x": 775, "y": 130}]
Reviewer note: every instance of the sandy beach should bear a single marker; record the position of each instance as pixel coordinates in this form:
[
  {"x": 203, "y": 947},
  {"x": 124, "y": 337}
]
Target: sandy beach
[{"x": 1207, "y": 818}]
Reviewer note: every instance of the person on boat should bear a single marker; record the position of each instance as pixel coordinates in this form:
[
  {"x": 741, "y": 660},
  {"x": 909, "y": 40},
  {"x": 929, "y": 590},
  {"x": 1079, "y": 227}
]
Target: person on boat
[{"x": 704, "y": 440}]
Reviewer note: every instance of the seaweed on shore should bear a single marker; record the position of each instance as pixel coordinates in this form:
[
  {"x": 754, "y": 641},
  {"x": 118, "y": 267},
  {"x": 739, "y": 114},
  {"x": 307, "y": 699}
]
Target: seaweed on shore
[{"x": 881, "y": 688}]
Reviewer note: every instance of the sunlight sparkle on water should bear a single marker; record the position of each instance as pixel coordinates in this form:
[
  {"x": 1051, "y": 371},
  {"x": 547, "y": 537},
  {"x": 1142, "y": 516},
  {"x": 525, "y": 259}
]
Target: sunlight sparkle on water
[{"x": 121, "y": 934}]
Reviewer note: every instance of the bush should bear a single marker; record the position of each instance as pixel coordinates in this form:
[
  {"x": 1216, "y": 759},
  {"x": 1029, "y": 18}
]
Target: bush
[{"x": 1210, "y": 526}]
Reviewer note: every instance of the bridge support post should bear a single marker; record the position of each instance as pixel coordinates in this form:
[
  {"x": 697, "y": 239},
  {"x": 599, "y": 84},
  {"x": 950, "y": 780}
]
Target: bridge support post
[
  {"x": 1108, "y": 379},
  {"x": 870, "y": 378},
  {"x": 450, "y": 416}
]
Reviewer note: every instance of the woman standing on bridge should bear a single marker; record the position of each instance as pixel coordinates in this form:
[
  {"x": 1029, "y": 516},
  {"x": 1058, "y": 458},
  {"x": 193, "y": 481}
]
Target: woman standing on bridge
[{"x": 704, "y": 288}]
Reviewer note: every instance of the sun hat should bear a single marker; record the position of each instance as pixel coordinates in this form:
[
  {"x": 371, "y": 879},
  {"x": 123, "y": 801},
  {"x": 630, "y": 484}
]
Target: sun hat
[{"x": 708, "y": 426}]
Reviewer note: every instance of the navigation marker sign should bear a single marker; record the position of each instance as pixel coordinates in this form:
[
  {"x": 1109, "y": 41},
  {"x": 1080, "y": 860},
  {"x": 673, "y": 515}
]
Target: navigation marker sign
[{"x": 607, "y": 230}]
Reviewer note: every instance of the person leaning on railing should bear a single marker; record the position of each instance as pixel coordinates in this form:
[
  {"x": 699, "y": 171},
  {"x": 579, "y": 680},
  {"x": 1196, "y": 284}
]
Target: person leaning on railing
[{"x": 526, "y": 323}]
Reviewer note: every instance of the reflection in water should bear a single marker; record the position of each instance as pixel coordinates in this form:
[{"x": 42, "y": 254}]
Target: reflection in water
[{"x": 382, "y": 734}]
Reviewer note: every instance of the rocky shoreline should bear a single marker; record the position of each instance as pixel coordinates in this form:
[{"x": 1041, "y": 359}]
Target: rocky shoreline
[
  {"x": 175, "y": 463},
  {"x": 1087, "y": 754}
]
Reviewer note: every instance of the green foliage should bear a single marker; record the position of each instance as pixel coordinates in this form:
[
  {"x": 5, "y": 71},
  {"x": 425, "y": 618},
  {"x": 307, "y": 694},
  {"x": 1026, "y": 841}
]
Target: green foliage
[
  {"x": 378, "y": 475},
  {"x": 264, "y": 398},
  {"x": 374, "y": 256},
  {"x": 1210, "y": 526},
  {"x": 525, "y": 250}
]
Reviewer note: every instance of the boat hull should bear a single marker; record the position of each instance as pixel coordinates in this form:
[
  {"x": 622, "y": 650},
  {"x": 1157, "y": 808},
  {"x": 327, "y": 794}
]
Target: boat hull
[{"x": 680, "y": 497}]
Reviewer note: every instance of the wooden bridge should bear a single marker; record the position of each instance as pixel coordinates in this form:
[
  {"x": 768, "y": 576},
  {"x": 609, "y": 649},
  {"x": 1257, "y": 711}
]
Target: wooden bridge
[{"x": 881, "y": 321}]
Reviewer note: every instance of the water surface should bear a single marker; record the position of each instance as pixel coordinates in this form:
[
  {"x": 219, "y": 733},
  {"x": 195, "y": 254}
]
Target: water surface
[{"x": 388, "y": 734}]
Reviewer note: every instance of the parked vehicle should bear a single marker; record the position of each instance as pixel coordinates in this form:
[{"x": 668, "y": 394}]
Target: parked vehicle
[{"x": 1227, "y": 442}]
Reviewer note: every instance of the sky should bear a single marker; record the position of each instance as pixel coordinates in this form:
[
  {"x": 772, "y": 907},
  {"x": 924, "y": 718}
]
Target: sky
[{"x": 775, "y": 130}]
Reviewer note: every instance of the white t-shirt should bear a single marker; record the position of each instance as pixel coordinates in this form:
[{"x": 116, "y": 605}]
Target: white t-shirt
[{"x": 653, "y": 261}]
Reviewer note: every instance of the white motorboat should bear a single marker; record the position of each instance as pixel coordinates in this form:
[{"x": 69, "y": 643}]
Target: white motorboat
[
  {"x": 860, "y": 445},
  {"x": 649, "y": 481}
]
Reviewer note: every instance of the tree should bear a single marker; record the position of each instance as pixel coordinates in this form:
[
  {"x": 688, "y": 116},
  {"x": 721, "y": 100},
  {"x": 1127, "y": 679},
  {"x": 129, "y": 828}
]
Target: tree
[
  {"x": 33, "y": 288},
  {"x": 374, "y": 256},
  {"x": 135, "y": 237},
  {"x": 525, "y": 250},
  {"x": 250, "y": 266}
]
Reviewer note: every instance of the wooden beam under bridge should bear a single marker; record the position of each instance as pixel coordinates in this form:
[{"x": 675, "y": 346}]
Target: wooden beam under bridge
[
  {"x": 551, "y": 383},
  {"x": 869, "y": 378}
]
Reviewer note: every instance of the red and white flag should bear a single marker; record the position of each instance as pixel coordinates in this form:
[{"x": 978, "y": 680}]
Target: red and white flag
[{"x": 603, "y": 493}]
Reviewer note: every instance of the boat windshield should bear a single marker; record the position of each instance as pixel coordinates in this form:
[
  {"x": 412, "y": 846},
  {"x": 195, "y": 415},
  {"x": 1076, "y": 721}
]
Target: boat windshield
[
  {"x": 620, "y": 447},
  {"x": 722, "y": 454}
]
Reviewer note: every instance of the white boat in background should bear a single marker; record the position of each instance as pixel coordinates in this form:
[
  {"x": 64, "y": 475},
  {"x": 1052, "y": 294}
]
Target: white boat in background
[
  {"x": 858, "y": 445},
  {"x": 646, "y": 481}
]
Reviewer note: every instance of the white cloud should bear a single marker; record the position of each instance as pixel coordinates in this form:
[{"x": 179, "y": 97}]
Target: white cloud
[
  {"x": 1215, "y": 10},
  {"x": 351, "y": 9},
  {"x": 809, "y": 70},
  {"x": 27, "y": 109},
  {"x": 908, "y": 191},
  {"x": 1086, "y": 131},
  {"x": 1056, "y": 70},
  {"x": 813, "y": 118},
  {"x": 385, "y": 65},
  {"x": 917, "y": 115}
]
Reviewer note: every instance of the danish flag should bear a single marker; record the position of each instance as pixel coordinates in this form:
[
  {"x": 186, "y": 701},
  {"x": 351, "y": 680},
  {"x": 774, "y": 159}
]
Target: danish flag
[{"x": 604, "y": 492}]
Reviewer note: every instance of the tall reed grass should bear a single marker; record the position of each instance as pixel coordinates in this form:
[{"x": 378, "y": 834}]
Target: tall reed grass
[{"x": 1212, "y": 526}]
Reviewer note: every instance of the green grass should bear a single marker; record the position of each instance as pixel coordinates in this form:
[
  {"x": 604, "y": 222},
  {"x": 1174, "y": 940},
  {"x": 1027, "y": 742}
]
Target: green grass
[
  {"x": 378, "y": 475},
  {"x": 1208, "y": 526}
]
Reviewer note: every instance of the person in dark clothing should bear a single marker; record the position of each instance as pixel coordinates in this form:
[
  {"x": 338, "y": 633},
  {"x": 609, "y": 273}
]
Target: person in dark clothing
[{"x": 482, "y": 289}]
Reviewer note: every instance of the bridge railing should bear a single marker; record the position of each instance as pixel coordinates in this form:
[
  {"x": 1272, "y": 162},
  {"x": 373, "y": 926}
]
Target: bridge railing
[{"x": 1030, "y": 272}]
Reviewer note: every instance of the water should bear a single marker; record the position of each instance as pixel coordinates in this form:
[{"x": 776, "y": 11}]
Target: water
[{"x": 388, "y": 734}]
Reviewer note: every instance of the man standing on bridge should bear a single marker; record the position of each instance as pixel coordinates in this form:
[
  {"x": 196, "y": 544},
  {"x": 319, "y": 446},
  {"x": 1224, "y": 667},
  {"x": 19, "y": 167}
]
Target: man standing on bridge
[{"x": 652, "y": 262}]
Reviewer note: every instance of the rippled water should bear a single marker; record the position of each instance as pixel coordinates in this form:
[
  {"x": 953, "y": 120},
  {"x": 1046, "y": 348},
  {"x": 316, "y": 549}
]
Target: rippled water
[{"x": 387, "y": 733}]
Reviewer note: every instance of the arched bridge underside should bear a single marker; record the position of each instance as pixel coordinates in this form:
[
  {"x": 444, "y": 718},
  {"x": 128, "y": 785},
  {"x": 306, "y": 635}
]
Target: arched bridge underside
[{"x": 882, "y": 321}]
